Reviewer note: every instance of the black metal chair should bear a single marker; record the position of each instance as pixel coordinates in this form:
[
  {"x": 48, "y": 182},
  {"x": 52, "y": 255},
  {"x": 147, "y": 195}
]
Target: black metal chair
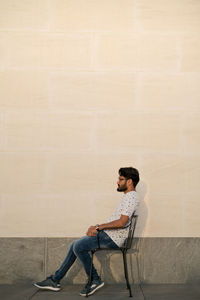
[{"x": 127, "y": 245}]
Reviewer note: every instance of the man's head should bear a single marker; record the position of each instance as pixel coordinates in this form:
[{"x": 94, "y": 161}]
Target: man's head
[{"x": 128, "y": 179}]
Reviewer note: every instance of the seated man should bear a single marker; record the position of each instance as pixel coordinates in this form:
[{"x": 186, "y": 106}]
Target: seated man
[{"x": 111, "y": 234}]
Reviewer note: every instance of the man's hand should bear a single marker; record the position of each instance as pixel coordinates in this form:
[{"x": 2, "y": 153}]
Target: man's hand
[
  {"x": 91, "y": 231},
  {"x": 119, "y": 223}
]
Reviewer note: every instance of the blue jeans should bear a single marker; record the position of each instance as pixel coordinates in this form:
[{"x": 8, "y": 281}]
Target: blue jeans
[{"x": 81, "y": 248}]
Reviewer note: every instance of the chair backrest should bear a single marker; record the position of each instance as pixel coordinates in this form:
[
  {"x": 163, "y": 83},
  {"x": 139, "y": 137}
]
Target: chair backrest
[{"x": 132, "y": 225}]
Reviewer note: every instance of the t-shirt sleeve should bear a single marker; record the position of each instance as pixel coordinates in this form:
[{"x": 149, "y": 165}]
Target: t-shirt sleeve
[{"x": 129, "y": 205}]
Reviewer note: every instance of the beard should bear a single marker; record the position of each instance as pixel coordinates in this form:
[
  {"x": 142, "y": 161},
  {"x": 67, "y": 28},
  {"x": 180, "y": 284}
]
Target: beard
[{"x": 122, "y": 188}]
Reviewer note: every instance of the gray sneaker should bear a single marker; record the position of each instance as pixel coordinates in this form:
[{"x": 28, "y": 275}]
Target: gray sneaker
[
  {"x": 48, "y": 284},
  {"x": 90, "y": 289}
]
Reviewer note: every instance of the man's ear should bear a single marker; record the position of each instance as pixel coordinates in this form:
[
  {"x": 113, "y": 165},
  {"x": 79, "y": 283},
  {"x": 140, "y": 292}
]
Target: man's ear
[{"x": 129, "y": 181}]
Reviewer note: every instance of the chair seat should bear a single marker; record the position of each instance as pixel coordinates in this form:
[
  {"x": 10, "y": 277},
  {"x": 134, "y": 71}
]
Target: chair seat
[{"x": 116, "y": 249}]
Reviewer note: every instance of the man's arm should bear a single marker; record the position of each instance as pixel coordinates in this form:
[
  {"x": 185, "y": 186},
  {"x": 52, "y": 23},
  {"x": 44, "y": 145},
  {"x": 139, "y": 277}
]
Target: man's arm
[{"x": 120, "y": 223}]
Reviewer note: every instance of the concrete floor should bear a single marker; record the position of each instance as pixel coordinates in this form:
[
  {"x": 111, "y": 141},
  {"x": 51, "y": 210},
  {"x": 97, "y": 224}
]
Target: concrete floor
[{"x": 26, "y": 291}]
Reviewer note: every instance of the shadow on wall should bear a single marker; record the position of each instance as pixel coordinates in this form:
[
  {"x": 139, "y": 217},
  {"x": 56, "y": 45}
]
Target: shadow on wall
[{"x": 143, "y": 211}]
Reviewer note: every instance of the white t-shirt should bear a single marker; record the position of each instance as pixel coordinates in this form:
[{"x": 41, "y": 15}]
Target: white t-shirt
[{"x": 127, "y": 205}]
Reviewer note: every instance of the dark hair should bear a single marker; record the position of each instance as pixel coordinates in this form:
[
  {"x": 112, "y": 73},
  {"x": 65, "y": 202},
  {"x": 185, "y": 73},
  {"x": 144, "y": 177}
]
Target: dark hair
[{"x": 130, "y": 173}]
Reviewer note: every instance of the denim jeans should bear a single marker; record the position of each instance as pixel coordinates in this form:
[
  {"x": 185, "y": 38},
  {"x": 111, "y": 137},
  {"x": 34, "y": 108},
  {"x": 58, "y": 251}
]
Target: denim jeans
[{"x": 81, "y": 248}]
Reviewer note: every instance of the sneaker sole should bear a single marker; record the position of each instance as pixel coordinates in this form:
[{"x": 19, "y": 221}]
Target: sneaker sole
[
  {"x": 92, "y": 292},
  {"x": 47, "y": 288}
]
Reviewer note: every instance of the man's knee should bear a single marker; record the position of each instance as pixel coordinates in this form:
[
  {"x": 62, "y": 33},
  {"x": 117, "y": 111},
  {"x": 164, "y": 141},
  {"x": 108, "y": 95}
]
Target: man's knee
[
  {"x": 79, "y": 245},
  {"x": 71, "y": 245}
]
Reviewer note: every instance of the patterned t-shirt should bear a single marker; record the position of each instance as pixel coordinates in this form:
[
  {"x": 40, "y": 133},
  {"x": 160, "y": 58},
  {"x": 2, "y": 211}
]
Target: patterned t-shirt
[{"x": 127, "y": 205}]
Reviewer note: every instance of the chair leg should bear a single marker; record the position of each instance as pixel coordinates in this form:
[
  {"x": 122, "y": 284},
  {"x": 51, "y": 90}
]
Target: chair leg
[
  {"x": 90, "y": 277},
  {"x": 126, "y": 274}
]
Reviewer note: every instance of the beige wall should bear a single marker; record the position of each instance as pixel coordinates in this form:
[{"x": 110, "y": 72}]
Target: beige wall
[{"x": 86, "y": 87}]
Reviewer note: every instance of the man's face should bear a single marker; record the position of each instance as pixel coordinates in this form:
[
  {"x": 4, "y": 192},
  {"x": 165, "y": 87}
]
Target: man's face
[{"x": 122, "y": 184}]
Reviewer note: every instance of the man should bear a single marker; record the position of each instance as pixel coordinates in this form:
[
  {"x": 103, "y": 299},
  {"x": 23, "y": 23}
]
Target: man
[{"x": 111, "y": 234}]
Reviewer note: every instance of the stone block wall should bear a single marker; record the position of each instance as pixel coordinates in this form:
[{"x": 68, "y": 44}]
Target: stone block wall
[{"x": 156, "y": 261}]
